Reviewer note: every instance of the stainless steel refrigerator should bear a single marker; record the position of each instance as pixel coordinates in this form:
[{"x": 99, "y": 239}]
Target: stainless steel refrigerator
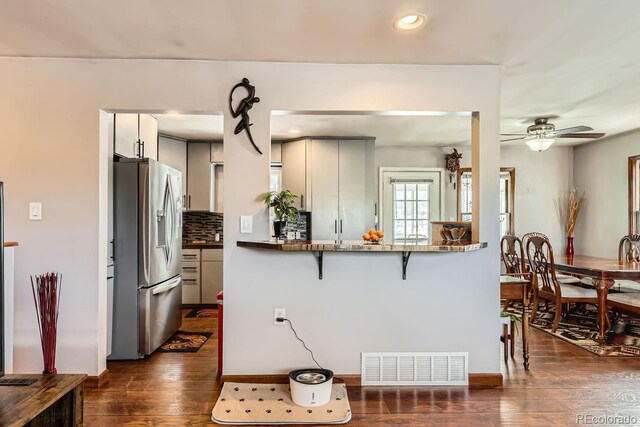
[{"x": 148, "y": 252}]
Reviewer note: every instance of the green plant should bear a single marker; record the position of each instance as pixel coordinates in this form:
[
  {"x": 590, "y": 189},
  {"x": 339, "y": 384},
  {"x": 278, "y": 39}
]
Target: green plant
[{"x": 282, "y": 203}]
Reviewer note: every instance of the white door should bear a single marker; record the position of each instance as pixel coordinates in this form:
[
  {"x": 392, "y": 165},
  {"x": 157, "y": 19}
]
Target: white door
[
  {"x": 324, "y": 189},
  {"x": 411, "y": 199}
]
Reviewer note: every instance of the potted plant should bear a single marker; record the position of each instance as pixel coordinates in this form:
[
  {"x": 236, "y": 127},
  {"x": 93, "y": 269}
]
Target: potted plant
[{"x": 283, "y": 204}]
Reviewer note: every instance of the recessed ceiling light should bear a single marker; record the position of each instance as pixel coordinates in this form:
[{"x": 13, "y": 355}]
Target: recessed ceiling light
[
  {"x": 293, "y": 131},
  {"x": 410, "y": 22}
]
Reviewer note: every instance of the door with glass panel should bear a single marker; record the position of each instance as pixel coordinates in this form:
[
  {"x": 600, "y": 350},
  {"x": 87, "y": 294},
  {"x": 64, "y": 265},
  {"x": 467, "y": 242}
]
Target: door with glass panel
[{"x": 411, "y": 200}]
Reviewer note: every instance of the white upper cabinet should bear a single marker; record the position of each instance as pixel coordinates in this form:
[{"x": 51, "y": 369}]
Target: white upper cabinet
[
  {"x": 149, "y": 136},
  {"x": 294, "y": 170},
  {"x": 173, "y": 152},
  {"x": 136, "y": 135},
  {"x": 217, "y": 152},
  {"x": 342, "y": 178},
  {"x": 199, "y": 176},
  {"x": 126, "y": 135}
]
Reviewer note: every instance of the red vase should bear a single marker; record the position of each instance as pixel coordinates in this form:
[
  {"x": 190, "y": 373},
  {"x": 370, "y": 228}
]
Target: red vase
[{"x": 570, "y": 247}]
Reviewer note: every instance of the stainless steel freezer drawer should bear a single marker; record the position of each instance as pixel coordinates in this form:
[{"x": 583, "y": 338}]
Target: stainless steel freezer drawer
[{"x": 160, "y": 313}]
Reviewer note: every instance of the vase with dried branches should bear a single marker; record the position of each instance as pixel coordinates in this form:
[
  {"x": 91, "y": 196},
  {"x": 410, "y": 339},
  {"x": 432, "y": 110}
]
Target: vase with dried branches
[
  {"x": 569, "y": 206},
  {"x": 46, "y": 296}
]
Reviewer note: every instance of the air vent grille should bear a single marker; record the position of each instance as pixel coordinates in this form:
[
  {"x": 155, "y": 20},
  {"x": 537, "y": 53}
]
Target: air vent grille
[{"x": 415, "y": 369}]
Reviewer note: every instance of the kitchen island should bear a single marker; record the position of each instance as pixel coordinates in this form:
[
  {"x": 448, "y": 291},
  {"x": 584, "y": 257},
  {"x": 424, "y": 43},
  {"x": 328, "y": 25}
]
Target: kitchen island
[{"x": 320, "y": 246}]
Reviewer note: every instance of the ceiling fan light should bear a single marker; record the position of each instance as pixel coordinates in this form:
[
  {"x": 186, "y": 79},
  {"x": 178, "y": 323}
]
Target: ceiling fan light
[{"x": 540, "y": 144}]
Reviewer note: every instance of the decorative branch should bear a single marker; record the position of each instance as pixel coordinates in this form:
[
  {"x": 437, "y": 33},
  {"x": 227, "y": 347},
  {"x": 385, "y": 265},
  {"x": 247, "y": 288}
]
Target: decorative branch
[
  {"x": 569, "y": 206},
  {"x": 46, "y": 297}
]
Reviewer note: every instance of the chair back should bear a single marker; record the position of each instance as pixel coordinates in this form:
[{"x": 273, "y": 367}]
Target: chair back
[
  {"x": 541, "y": 263},
  {"x": 512, "y": 253},
  {"x": 629, "y": 249}
]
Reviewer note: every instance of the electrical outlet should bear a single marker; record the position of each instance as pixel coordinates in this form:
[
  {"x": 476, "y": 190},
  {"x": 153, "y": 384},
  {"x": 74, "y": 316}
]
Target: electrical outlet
[{"x": 279, "y": 312}]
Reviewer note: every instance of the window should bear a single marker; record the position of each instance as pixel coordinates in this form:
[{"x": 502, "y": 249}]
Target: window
[
  {"x": 507, "y": 197},
  {"x": 411, "y": 211},
  {"x": 634, "y": 194}
]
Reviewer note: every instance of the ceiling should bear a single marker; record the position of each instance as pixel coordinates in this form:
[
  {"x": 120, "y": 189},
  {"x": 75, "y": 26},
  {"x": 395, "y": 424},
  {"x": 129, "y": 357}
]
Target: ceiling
[
  {"x": 574, "y": 59},
  {"x": 403, "y": 131},
  {"x": 191, "y": 126}
]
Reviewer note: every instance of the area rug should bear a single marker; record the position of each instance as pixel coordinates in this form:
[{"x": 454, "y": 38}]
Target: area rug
[
  {"x": 580, "y": 328},
  {"x": 250, "y": 404},
  {"x": 203, "y": 312},
  {"x": 185, "y": 342}
]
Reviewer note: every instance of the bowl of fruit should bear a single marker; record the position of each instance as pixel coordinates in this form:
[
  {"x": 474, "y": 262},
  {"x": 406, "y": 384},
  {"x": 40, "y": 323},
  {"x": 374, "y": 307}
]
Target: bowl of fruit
[{"x": 373, "y": 237}]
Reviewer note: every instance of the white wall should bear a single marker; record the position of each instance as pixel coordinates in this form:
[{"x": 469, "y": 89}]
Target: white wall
[
  {"x": 601, "y": 170},
  {"x": 540, "y": 177},
  {"x": 50, "y": 152}
]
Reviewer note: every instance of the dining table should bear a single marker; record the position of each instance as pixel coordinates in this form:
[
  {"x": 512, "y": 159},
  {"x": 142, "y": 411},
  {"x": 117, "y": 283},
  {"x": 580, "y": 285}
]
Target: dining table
[{"x": 603, "y": 272}]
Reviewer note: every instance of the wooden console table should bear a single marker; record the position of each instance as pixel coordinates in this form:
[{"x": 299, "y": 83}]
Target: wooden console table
[{"x": 53, "y": 400}]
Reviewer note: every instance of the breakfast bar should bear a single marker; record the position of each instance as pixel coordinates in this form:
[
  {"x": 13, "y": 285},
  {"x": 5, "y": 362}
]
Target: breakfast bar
[{"x": 320, "y": 246}]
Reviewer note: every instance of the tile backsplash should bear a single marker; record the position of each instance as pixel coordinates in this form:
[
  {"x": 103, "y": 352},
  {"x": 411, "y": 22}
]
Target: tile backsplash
[{"x": 201, "y": 226}]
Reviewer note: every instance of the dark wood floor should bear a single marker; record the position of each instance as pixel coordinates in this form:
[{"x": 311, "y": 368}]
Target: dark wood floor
[{"x": 180, "y": 389}]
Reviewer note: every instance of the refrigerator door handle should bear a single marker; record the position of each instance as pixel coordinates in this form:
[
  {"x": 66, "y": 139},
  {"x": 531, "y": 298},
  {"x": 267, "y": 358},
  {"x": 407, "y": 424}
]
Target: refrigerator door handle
[{"x": 160, "y": 289}]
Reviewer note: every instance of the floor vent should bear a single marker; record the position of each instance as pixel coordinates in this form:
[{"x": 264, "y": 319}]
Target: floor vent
[{"x": 415, "y": 369}]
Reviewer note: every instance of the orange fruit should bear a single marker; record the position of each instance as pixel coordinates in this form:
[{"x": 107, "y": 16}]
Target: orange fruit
[
  {"x": 366, "y": 236},
  {"x": 372, "y": 231},
  {"x": 374, "y": 237},
  {"x": 380, "y": 234}
]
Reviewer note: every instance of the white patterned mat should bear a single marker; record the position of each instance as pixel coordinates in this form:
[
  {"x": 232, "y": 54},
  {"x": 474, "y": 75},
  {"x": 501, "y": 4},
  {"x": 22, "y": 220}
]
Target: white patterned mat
[{"x": 246, "y": 404}]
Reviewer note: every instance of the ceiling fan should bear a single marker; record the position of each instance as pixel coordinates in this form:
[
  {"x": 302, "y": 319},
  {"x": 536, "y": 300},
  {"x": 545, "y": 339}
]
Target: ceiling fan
[{"x": 541, "y": 134}]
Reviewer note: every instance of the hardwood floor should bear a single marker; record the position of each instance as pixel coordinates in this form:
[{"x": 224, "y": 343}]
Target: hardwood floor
[{"x": 180, "y": 389}]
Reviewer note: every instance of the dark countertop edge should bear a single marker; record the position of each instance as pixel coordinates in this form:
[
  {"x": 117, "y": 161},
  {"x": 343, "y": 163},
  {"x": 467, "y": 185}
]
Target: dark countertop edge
[
  {"x": 202, "y": 245},
  {"x": 311, "y": 246}
]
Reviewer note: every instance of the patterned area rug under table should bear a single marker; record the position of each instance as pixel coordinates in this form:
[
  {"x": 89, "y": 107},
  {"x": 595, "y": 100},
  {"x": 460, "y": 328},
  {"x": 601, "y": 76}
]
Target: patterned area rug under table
[
  {"x": 253, "y": 404},
  {"x": 580, "y": 328}
]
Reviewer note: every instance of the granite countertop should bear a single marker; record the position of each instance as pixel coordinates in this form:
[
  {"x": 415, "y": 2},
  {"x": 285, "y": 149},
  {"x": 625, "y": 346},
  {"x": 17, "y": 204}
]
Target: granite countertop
[
  {"x": 359, "y": 246},
  {"x": 206, "y": 245}
]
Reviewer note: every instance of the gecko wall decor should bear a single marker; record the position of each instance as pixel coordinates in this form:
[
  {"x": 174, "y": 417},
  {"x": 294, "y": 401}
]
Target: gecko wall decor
[{"x": 242, "y": 109}]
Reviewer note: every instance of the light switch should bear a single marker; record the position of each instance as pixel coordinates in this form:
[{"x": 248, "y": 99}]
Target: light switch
[
  {"x": 35, "y": 211},
  {"x": 246, "y": 224}
]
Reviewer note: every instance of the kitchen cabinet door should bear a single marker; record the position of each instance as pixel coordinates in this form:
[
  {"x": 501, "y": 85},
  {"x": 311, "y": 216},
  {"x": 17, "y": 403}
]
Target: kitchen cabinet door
[
  {"x": 173, "y": 152},
  {"x": 191, "y": 282},
  {"x": 294, "y": 170},
  {"x": 217, "y": 152},
  {"x": 211, "y": 281},
  {"x": 126, "y": 135},
  {"x": 323, "y": 167},
  {"x": 353, "y": 220},
  {"x": 149, "y": 136},
  {"x": 198, "y": 176}
]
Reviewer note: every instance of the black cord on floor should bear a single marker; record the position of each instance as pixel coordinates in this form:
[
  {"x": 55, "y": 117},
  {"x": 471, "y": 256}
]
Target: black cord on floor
[{"x": 305, "y": 346}]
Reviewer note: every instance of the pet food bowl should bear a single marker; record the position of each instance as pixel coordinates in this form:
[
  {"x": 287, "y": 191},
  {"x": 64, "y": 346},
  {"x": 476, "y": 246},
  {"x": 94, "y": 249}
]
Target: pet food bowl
[{"x": 311, "y": 387}]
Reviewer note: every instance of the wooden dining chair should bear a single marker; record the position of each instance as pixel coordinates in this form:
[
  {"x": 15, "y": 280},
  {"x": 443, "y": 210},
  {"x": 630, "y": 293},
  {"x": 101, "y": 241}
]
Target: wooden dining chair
[
  {"x": 546, "y": 285},
  {"x": 512, "y": 254},
  {"x": 628, "y": 250}
]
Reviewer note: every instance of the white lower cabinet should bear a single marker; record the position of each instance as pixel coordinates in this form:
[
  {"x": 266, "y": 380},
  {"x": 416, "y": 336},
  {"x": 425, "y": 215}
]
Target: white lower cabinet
[{"x": 201, "y": 275}]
